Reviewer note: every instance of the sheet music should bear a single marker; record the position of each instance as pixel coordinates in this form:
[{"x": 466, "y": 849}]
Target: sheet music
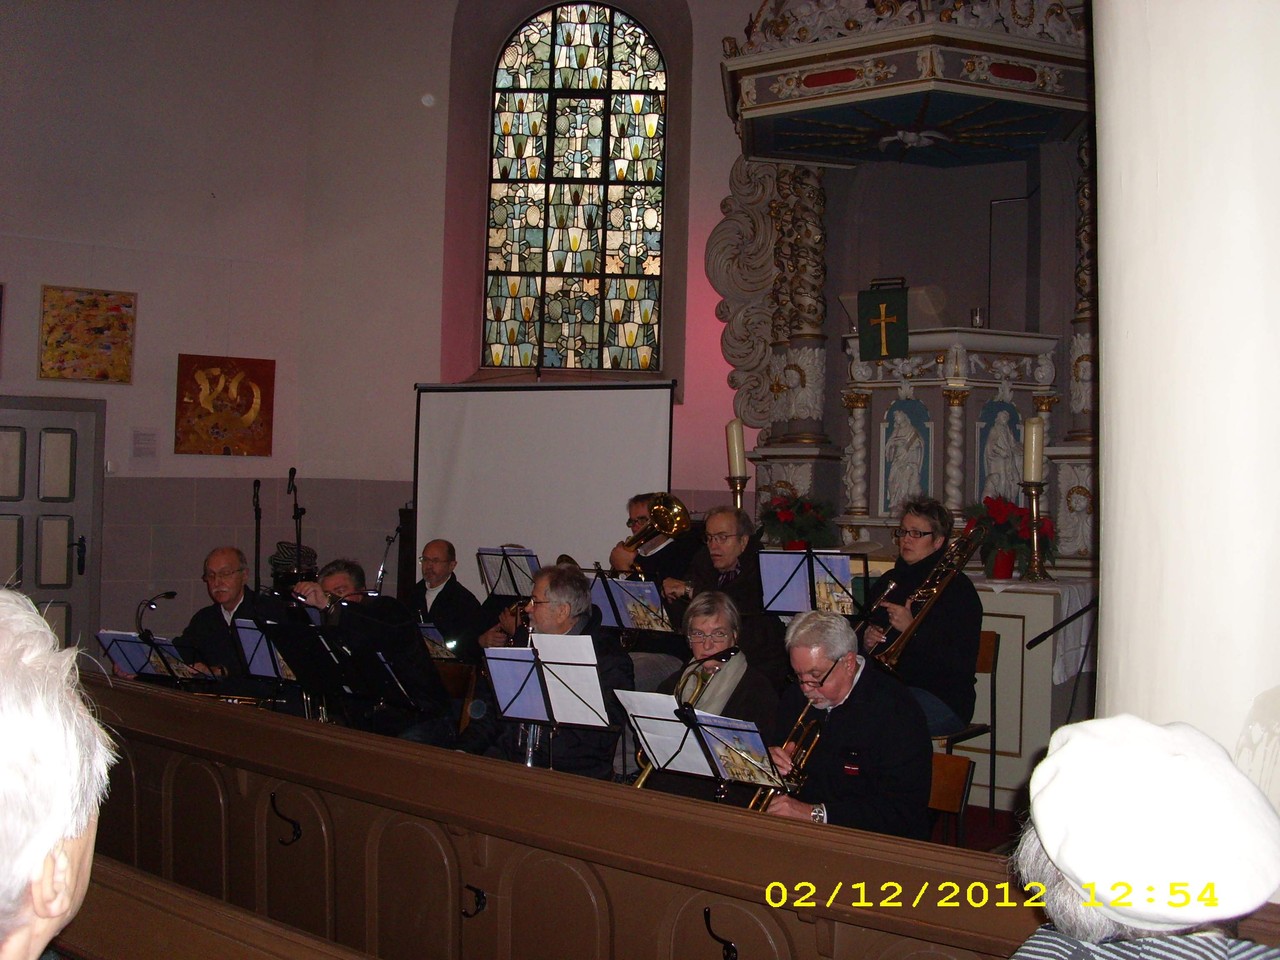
[
  {"x": 508, "y": 571},
  {"x": 785, "y": 580},
  {"x": 515, "y": 684},
  {"x": 573, "y": 683},
  {"x": 132, "y": 654},
  {"x": 665, "y": 739},
  {"x": 738, "y": 750}
]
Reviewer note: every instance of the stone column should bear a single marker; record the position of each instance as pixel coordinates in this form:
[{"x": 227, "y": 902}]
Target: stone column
[
  {"x": 1189, "y": 336},
  {"x": 857, "y": 499},
  {"x": 954, "y": 487}
]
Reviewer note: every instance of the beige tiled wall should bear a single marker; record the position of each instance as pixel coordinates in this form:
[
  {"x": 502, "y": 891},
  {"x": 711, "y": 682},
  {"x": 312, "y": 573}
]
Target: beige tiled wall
[{"x": 157, "y": 531}]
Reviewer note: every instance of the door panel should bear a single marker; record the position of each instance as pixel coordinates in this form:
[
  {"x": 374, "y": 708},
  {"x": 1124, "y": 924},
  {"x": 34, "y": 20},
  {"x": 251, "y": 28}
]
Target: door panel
[{"x": 51, "y": 508}]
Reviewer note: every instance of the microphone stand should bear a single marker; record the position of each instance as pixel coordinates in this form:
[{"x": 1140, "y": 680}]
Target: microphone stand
[
  {"x": 257, "y": 538},
  {"x": 298, "y": 513},
  {"x": 382, "y": 567}
]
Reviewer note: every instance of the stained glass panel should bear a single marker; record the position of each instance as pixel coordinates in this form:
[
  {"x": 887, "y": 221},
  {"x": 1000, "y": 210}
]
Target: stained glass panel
[
  {"x": 574, "y": 250},
  {"x": 519, "y": 135}
]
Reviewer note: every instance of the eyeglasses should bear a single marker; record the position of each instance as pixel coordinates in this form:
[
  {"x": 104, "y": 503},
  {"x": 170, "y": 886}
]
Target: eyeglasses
[
  {"x": 435, "y": 561},
  {"x": 534, "y": 601},
  {"x": 815, "y": 684},
  {"x": 913, "y": 534},
  {"x": 638, "y": 522},
  {"x": 720, "y": 538},
  {"x": 719, "y": 636},
  {"x": 213, "y": 576}
]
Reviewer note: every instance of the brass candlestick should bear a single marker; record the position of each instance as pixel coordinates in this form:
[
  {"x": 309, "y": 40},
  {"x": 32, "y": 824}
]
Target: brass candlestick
[
  {"x": 1035, "y": 567},
  {"x": 738, "y": 486}
]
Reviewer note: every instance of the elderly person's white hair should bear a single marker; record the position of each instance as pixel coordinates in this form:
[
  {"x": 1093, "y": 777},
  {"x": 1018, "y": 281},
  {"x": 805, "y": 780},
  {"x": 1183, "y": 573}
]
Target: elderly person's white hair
[{"x": 54, "y": 756}]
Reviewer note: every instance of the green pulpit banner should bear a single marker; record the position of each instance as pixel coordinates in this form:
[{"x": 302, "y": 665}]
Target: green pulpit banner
[{"x": 882, "y": 323}]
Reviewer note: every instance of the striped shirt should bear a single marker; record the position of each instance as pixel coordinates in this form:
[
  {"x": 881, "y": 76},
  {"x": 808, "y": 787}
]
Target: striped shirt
[{"x": 1048, "y": 944}]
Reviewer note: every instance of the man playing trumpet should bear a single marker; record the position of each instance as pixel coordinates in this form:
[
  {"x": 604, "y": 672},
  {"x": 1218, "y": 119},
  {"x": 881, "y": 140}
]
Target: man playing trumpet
[{"x": 872, "y": 763}]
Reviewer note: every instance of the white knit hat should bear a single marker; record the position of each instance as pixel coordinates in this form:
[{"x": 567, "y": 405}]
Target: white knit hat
[{"x": 1169, "y": 832}]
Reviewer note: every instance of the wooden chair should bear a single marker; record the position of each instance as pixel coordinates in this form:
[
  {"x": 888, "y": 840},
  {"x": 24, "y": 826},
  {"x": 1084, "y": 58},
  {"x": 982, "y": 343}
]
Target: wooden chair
[
  {"x": 949, "y": 792},
  {"x": 988, "y": 656},
  {"x": 459, "y": 681}
]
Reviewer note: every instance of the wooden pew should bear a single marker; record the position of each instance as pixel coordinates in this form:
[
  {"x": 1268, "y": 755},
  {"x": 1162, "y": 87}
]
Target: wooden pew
[
  {"x": 410, "y": 851},
  {"x": 131, "y": 915}
]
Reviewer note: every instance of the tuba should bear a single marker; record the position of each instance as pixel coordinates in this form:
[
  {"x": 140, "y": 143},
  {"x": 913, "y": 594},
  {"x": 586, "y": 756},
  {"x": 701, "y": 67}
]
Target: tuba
[
  {"x": 953, "y": 559},
  {"x": 667, "y": 515}
]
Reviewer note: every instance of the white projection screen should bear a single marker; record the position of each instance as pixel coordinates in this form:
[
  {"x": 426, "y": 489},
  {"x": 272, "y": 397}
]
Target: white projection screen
[{"x": 547, "y": 467}]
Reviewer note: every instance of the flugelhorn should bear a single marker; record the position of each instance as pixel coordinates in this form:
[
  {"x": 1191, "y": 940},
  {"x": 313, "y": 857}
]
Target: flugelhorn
[
  {"x": 800, "y": 743},
  {"x": 953, "y": 559},
  {"x": 700, "y": 682}
]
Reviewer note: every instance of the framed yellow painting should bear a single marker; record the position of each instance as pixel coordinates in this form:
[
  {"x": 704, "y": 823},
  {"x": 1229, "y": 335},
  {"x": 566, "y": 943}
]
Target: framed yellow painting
[{"x": 87, "y": 334}]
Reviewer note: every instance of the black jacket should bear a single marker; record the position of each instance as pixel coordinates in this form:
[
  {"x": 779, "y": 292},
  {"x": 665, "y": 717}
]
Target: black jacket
[
  {"x": 456, "y": 613},
  {"x": 873, "y": 762},
  {"x": 940, "y": 656}
]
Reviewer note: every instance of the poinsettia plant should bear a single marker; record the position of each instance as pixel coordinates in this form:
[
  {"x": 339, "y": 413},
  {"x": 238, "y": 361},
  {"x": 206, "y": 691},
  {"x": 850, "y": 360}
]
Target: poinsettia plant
[
  {"x": 787, "y": 519},
  {"x": 1008, "y": 527}
]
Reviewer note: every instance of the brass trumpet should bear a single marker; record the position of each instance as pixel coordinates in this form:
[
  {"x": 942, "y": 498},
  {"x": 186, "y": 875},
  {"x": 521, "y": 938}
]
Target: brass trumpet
[
  {"x": 801, "y": 741},
  {"x": 700, "y": 683}
]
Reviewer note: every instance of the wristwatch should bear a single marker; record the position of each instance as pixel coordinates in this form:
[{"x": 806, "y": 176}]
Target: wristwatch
[{"x": 819, "y": 813}]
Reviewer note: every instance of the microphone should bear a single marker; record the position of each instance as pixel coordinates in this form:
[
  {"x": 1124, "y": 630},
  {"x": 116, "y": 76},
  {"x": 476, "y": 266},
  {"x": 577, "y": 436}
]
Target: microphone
[
  {"x": 293, "y": 472},
  {"x": 257, "y": 486}
]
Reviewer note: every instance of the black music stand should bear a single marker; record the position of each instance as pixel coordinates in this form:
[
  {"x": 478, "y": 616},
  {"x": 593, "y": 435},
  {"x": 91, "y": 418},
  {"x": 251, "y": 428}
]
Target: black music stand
[
  {"x": 679, "y": 738},
  {"x": 553, "y": 682},
  {"x": 148, "y": 658},
  {"x": 507, "y": 571},
  {"x": 629, "y": 604},
  {"x": 796, "y": 581}
]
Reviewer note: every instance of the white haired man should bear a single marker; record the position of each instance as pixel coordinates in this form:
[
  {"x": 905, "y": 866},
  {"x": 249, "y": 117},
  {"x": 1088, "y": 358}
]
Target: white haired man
[
  {"x": 872, "y": 765},
  {"x": 1149, "y": 843},
  {"x": 54, "y": 759}
]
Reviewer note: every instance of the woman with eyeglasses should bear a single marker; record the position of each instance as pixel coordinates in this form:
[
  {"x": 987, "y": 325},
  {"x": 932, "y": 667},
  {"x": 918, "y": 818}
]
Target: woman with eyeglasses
[
  {"x": 723, "y": 681},
  {"x": 938, "y": 661}
]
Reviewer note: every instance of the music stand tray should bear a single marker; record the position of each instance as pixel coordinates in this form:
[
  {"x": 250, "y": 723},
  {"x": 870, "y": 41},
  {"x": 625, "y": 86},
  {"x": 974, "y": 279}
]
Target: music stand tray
[
  {"x": 795, "y": 581},
  {"x": 508, "y": 570},
  {"x": 682, "y": 739},
  {"x": 552, "y": 681},
  {"x": 435, "y": 642},
  {"x": 630, "y": 604},
  {"x": 147, "y": 657}
]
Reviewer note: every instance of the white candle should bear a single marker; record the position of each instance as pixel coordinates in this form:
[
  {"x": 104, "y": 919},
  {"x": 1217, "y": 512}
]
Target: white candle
[
  {"x": 737, "y": 448},
  {"x": 1033, "y": 450}
]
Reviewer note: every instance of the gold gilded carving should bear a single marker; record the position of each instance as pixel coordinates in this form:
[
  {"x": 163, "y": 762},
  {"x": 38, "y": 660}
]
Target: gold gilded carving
[{"x": 956, "y": 398}]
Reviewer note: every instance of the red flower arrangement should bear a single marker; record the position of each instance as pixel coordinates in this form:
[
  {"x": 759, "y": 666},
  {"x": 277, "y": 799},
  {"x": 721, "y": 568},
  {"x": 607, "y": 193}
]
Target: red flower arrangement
[
  {"x": 1008, "y": 527},
  {"x": 787, "y": 519}
]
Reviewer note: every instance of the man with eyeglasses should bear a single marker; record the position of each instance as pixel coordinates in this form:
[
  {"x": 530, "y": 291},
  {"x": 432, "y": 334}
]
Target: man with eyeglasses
[
  {"x": 730, "y": 562},
  {"x": 209, "y": 641},
  {"x": 439, "y": 598},
  {"x": 560, "y": 603},
  {"x": 872, "y": 764},
  {"x": 939, "y": 659}
]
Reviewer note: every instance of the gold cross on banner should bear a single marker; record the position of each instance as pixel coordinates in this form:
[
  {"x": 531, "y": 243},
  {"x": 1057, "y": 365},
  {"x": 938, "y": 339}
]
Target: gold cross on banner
[{"x": 882, "y": 322}]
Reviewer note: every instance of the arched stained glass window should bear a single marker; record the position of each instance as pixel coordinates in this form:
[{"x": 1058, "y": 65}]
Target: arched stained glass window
[{"x": 574, "y": 253}]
